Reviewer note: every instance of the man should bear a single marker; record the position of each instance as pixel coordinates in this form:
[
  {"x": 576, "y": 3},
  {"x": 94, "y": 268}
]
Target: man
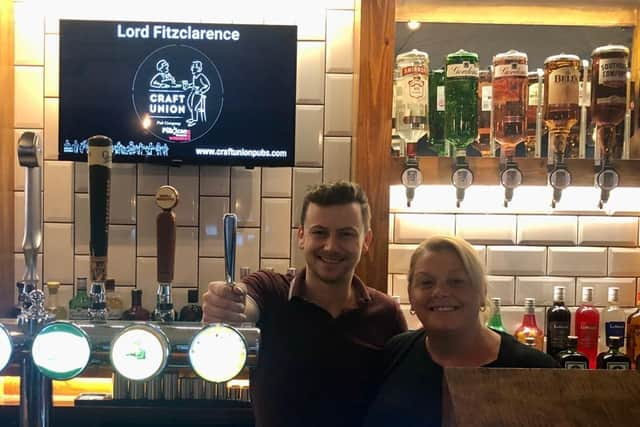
[{"x": 322, "y": 334}]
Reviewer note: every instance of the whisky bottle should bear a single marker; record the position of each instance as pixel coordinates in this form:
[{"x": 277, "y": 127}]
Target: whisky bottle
[
  {"x": 613, "y": 319},
  {"x": 529, "y": 326},
  {"x": 571, "y": 358},
  {"x": 461, "y": 107},
  {"x": 613, "y": 358},
  {"x": 558, "y": 323},
  {"x": 115, "y": 305},
  {"x": 586, "y": 324},
  {"x": 191, "y": 312},
  {"x": 633, "y": 333},
  {"x": 79, "y": 304},
  {"x": 412, "y": 101},
  {"x": 136, "y": 311},
  {"x": 495, "y": 321},
  {"x": 52, "y": 305}
]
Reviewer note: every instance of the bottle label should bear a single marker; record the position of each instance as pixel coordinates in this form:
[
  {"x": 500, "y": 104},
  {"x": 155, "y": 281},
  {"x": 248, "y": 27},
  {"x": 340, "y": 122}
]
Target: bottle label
[
  {"x": 465, "y": 69},
  {"x": 617, "y": 365},
  {"x": 533, "y": 93},
  {"x": 613, "y": 99},
  {"x": 587, "y": 335},
  {"x": 613, "y": 70},
  {"x": 558, "y": 331},
  {"x": 510, "y": 70},
  {"x": 615, "y": 329},
  {"x": 411, "y": 97},
  {"x": 440, "y": 98},
  {"x": 487, "y": 97},
  {"x": 78, "y": 314},
  {"x": 575, "y": 365},
  {"x": 563, "y": 86}
]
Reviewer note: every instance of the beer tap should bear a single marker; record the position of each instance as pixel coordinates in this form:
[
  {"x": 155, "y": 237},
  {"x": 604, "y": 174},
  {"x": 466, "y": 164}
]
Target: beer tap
[
  {"x": 99, "y": 159},
  {"x": 230, "y": 226},
  {"x": 510, "y": 83},
  {"x": 30, "y": 157},
  {"x": 166, "y": 198},
  {"x": 562, "y": 109},
  {"x": 609, "y": 66}
]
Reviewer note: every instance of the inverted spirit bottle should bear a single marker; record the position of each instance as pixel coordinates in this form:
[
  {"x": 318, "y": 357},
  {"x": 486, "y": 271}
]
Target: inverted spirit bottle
[
  {"x": 495, "y": 322},
  {"x": 586, "y": 324},
  {"x": 412, "y": 101},
  {"x": 558, "y": 323},
  {"x": 485, "y": 94},
  {"x": 529, "y": 326},
  {"x": 536, "y": 91},
  {"x": 613, "y": 319},
  {"x": 571, "y": 358},
  {"x": 613, "y": 358},
  {"x": 510, "y": 86},
  {"x": 461, "y": 109},
  {"x": 436, "y": 111},
  {"x": 633, "y": 333}
]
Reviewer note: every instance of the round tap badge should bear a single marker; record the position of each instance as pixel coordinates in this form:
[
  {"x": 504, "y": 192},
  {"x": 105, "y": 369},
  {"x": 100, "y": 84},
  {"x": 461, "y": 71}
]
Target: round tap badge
[
  {"x": 61, "y": 350},
  {"x": 6, "y": 347},
  {"x": 218, "y": 353},
  {"x": 167, "y": 197},
  {"x": 177, "y": 93},
  {"x": 139, "y": 352}
]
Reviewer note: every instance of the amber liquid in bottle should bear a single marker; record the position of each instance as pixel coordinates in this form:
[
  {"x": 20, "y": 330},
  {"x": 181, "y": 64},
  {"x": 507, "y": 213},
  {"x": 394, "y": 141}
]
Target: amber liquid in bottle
[
  {"x": 532, "y": 111},
  {"x": 633, "y": 333},
  {"x": 561, "y": 109},
  {"x": 510, "y": 87},
  {"x": 485, "y": 94}
]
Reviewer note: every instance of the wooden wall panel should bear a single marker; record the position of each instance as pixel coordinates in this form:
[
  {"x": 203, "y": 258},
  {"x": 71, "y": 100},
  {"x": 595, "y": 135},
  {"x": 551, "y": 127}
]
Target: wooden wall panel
[
  {"x": 373, "y": 78},
  {"x": 6, "y": 156}
]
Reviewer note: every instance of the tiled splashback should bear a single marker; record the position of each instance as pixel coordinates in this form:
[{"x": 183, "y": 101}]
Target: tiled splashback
[
  {"x": 527, "y": 248},
  {"x": 266, "y": 200}
]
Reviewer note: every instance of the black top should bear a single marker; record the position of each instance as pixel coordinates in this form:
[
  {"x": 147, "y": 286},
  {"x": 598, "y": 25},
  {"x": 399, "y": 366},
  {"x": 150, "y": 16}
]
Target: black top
[
  {"x": 313, "y": 369},
  {"x": 411, "y": 393}
]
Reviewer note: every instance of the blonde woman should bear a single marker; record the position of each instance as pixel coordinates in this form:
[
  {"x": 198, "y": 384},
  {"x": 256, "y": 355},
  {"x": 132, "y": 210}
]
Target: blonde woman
[{"x": 448, "y": 293}]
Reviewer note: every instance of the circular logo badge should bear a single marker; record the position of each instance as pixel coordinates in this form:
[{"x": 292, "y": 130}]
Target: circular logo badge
[
  {"x": 139, "y": 352},
  {"x": 61, "y": 350},
  {"x": 218, "y": 353},
  {"x": 177, "y": 93},
  {"x": 6, "y": 347},
  {"x": 167, "y": 197}
]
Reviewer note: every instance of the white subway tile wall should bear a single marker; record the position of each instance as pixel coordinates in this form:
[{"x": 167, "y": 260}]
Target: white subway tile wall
[
  {"x": 526, "y": 253},
  {"x": 267, "y": 200}
]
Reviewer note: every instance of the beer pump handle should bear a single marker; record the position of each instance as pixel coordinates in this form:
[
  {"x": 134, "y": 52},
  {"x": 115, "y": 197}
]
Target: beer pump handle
[
  {"x": 230, "y": 223},
  {"x": 99, "y": 159},
  {"x": 166, "y": 199}
]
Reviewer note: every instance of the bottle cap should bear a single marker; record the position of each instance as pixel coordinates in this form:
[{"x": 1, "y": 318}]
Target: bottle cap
[
  {"x": 496, "y": 301},
  {"x": 192, "y": 296},
  {"x": 558, "y": 293},
  {"x": 82, "y": 283},
  {"x": 587, "y": 294},
  {"x": 613, "y": 295},
  {"x": 530, "y": 303},
  {"x": 53, "y": 285}
]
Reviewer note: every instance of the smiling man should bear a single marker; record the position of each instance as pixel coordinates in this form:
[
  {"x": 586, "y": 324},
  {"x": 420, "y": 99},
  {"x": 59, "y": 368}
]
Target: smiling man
[{"x": 322, "y": 333}]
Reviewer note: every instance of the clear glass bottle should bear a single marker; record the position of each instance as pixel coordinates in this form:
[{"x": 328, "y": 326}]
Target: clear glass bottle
[
  {"x": 633, "y": 333},
  {"x": 485, "y": 100},
  {"x": 79, "y": 304},
  {"x": 115, "y": 304},
  {"x": 136, "y": 311},
  {"x": 529, "y": 326},
  {"x": 587, "y": 326},
  {"x": 412, "y": 100},
  {"x": 536, "y": 89},
  {"x": 571, "y": 358},
  {"x": 558, "y": 323},
  {"x": 613, "y": 358},
  {"x": 52, "y": 304},
  {"x": 613, "y": 320},
  {"x": 192, "y": 312},
  {"x": 495, "y": 321}
]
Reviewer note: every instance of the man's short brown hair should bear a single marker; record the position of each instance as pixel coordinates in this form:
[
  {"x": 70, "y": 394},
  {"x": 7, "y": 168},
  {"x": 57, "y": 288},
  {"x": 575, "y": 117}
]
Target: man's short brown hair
[{"x": 338, "y": 193}]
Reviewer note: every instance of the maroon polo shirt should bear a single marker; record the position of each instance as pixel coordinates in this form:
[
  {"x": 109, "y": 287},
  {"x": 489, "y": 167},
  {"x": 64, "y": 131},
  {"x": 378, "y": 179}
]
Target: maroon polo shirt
[{"x": 313, "y": 369}]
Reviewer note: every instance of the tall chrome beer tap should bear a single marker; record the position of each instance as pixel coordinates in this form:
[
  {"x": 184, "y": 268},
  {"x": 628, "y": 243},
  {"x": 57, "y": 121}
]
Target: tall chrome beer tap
[{"x": 99, "y": 159}]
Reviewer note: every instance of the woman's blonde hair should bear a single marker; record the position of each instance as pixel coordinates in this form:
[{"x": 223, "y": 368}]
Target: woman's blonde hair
[{"x": 467, "y": 254}]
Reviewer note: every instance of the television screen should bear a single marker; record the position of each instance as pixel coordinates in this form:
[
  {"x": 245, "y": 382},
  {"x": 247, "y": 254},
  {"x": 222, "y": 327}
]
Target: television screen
[{"x": 179, "y": 93}]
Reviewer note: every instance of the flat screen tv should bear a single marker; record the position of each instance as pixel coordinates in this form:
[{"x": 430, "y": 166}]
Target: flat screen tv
[{"x": 178, "y": 92}]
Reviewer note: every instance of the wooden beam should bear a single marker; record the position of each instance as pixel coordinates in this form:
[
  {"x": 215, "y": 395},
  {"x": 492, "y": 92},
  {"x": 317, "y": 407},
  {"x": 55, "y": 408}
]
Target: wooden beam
[
  {"x": 373, "y": 78},
  {"x": 7, "y": 157}
]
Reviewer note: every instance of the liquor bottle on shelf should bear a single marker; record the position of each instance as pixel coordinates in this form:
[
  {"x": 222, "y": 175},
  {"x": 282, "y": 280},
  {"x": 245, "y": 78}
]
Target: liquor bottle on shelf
[
  {"x": 571, "y": 358},
  {"x": 52, "y": 304},
  {"x": 633, "y": 333},
  {"x": 79, "y": 304},
  {"x": 136, "y": 311},
  {"x": 115, "y": 305},
  {"x": 412, "y": 101},
  {"x": 613, "y": 320},
  {"x": 485, "y": 94},
  {"x": 613, "y": 358},
  {"x": 495, "y": 321},
  {"x": 587, "y": 326},
  {"x": 535, "y": 95},
  {"x": 436, "y": 113},
  {"x": 192, "y": 312},
  {"x": 558, "y": 323},
  {"x": 529, "y": 326}
]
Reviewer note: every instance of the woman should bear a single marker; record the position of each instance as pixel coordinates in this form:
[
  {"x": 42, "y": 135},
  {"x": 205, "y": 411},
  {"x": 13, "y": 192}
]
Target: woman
[{"x": 448, "y": 293}]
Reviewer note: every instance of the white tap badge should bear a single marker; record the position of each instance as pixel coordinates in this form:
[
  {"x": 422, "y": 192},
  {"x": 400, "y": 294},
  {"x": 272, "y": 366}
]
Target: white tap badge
[
  {"x": 61, "y": 350},
  {"x": 6, "y": 347},
  {"x": 139, "y": 352},
  {"x": 218, "y": 353}
]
